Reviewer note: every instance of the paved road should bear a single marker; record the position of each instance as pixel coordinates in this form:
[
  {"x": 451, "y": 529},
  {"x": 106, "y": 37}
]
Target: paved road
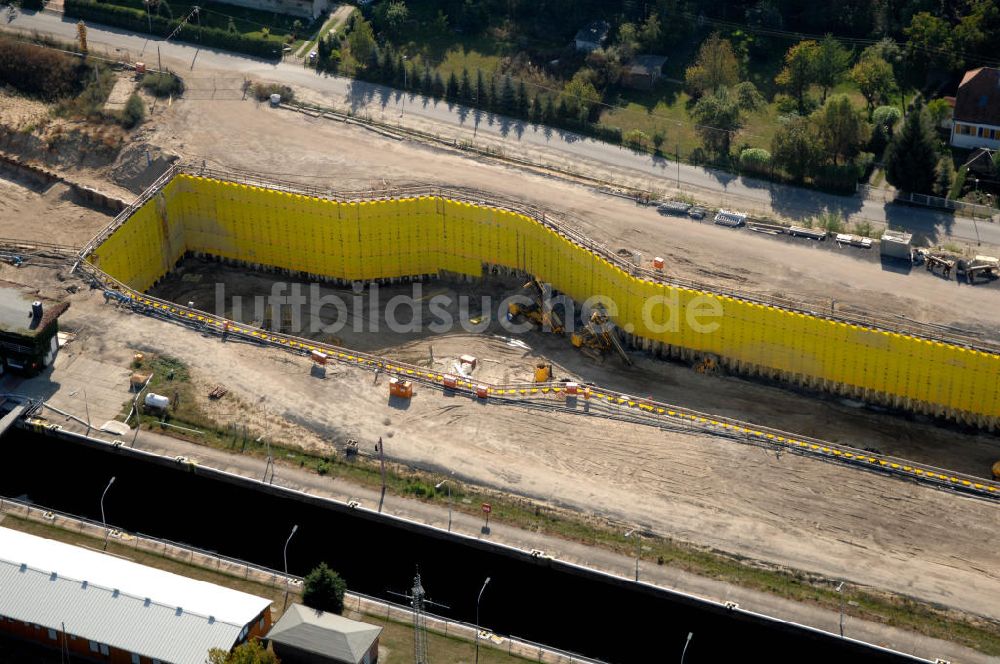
[{"x": 539, "y": 144}]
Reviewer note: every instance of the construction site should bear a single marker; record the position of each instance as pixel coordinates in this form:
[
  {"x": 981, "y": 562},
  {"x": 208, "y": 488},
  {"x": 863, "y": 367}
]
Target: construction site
[{"x": 795, "y": 405}]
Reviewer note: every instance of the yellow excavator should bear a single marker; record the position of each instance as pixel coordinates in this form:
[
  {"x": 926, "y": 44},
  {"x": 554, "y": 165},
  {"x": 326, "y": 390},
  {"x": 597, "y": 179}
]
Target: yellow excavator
[
  {"x": 598, "y": 337},
  {"x": 539, "y": 312}
]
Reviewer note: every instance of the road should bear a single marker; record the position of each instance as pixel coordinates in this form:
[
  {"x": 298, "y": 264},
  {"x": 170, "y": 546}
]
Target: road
[{"x": 538, "y": 144}]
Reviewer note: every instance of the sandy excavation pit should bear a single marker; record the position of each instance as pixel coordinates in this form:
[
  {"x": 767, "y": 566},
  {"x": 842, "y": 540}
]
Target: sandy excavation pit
[{"x": 510, "y": 357}]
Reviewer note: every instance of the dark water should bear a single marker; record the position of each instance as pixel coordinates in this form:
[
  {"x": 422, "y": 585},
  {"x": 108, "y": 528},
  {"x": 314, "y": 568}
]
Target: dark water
[{"x": 580, "y": 611}]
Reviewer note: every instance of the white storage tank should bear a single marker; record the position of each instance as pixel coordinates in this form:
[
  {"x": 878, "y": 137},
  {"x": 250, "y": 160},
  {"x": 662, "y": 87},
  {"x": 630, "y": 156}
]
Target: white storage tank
[{"x": 157, "y": 401}]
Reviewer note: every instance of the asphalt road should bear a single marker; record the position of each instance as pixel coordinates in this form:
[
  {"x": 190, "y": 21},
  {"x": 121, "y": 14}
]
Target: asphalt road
[{"x": 546, "y": 144}]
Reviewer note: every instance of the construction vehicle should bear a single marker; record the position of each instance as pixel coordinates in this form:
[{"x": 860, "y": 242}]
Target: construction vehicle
[
  {"x": 996, "y": 470},
  {"x": 946, "y": 264},
  {"x": 986, "y": 266},
  {"x": 543, "y": 372},
  {"x": 598, "y": 337},
  {"x": 539, "y": 312}
]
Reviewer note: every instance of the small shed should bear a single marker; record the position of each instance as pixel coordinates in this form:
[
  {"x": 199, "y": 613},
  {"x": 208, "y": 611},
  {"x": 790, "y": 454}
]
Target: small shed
[
  {"x": 28, "y": 327},
  {"x": 307, "y": 636},
  {"x": 643, "y": 71},
  {"x": 592, "y": 36}
]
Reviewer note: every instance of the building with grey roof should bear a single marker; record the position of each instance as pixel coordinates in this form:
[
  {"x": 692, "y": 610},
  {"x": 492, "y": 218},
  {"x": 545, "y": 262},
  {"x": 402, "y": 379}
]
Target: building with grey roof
[
  {"x": 28, "y": 327},
  {"x": 308, "y": 636},
  {"x": 98, "y": 606}
]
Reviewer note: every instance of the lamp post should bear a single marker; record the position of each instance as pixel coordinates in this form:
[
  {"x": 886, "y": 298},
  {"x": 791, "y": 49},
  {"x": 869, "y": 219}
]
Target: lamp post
[
  {"x": 840, "y": 589},
  {"x": 638, "y": 548},
  {"x": 686, "y": 644},
  {"x": 477, "y": 616},
  {"x": 402, "y": 106},
  {"x": 438, "y": 486},
  {"x": 103, "y": 520},
  {"x": 285, "y": 556}
]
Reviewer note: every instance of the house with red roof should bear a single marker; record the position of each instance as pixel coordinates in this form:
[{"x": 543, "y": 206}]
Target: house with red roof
[{"x": 976, "y": 122}]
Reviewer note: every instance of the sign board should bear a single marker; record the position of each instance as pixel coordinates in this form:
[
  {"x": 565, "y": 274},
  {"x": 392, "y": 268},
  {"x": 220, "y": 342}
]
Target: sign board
[{"x": 487, "y": 508}]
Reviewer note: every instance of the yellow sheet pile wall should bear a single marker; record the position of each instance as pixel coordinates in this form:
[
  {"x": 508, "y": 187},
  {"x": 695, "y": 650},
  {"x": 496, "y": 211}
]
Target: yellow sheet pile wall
[{"x": 361, "y": 241}]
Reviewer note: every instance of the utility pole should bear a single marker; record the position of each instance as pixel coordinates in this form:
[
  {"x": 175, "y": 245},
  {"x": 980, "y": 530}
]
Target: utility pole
[
  {"x": 840, "y": 590},
  {"x": 678, "y": 164}
]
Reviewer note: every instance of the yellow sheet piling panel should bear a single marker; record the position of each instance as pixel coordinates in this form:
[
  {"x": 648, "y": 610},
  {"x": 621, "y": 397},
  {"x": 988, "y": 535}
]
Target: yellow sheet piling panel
[{"x": 414, "y": 236}]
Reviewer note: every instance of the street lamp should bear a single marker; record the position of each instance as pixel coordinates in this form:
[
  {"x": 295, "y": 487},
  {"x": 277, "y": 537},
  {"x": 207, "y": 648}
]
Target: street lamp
[
  {"x": 840, "y": 589},
  {"x": 638, "y": 548},
  {"x": 402, "y": 106},
  {"x": 477, "y": 616},
  {"x": 438, "y": 486},
  {"x": 285, "y": 555},
  {"x": 103, "y": 520},
  {"x": 686, "y": 644}
]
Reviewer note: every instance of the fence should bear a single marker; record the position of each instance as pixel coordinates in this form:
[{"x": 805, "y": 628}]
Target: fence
[
  {"x": 364, "y": 604},
  {"x": 923, "y": 200}
]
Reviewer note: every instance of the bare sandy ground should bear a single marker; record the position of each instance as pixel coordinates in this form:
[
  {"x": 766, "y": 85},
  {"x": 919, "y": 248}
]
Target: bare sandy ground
[
  {"x": 330, "y": 154},
  {"x": 49, "y": 215},
  {"x": 784, "y": 510}
]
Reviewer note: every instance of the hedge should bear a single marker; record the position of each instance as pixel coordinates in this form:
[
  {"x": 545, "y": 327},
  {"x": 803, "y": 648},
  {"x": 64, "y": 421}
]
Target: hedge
[
  {"x": 138, "y": 21},
  {"x": 39, "y": 71}
]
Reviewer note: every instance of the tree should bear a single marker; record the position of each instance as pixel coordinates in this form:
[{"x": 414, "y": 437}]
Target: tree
[
  {"x": 944, "y": 177},
  {"x": 250, "y": 652},
  {"x": 522, "y": 102},
  {"x": 841, "y": 129},
  {"x": 395, "y": 15},
  {"x": 296, "y": 27},
  {"x": 628, "y": 39},
  {"x": 912, "y": 156},
  {"x": 536, "y": 109},
  {"x": 795, "y": 147},
  {"x": 799, "y": 71},
  {"x": 465, "y": 86},
  {"x": 481, "y": 100},
  {"x": 930, "y": 42},
  {"x": 362, "y": 41},
  {"x": 884, "y": 119},
  {"x": 491, "y": 92},
  {"x": 508, "y": 96},
  {"x": 323, "y": 590},
  {"x": 134, "y": 111},
  {"x": 714, "y": 67},
  {"x": 650, "y": 33},
  {"x": 719, "y": 116},
  {"x": 437, "y": 85},
  {"x": 832, "y": 62},
  {"x": 451, "y": 89},
  {"x": 580, "y": 97},
  {"x": 939, "y": 110},
  {"x": 979, "y": 30},
  {"x": 874, "y": 79}
]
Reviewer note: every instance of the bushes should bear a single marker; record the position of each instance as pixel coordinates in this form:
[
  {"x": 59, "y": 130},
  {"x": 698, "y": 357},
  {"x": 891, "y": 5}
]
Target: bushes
[
  {"x": 39, "y": 71},
  {"x": 137, "y": 21},
  {"x": 163, "y": 84},
  {"x": 263, "y": 91},
  {"x": 133, "y": 113}
]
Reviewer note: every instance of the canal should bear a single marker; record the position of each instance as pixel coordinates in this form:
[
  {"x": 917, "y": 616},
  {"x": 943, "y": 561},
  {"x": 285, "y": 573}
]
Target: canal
[{"x": 548, "y": 602}]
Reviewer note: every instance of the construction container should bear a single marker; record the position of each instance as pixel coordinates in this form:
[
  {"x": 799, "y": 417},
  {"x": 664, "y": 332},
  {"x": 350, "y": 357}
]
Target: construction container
[
  {"x": 896, "y": 244},
  {"x": 572, "y": 389},
  {"x": 140, "y": 68},
  {"x": 468, "y": 359},
  {"x": 482, "y": 391},
  {"x": 450, "y": 382},
  {"x": 657, "y": 263},
  {"x": 318, "y": 357},
  {"x": 400, "y": 388}
]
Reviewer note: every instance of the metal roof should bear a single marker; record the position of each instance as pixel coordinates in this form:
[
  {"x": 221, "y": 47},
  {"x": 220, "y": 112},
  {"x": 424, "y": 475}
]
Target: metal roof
[
  {"x": 117, "y": 602},
  {"x": 324, "y": 633}
]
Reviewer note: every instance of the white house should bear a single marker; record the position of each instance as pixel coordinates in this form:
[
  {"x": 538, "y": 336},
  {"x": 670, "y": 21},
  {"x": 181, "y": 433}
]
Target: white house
[{"x": 976, "y": 122}]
